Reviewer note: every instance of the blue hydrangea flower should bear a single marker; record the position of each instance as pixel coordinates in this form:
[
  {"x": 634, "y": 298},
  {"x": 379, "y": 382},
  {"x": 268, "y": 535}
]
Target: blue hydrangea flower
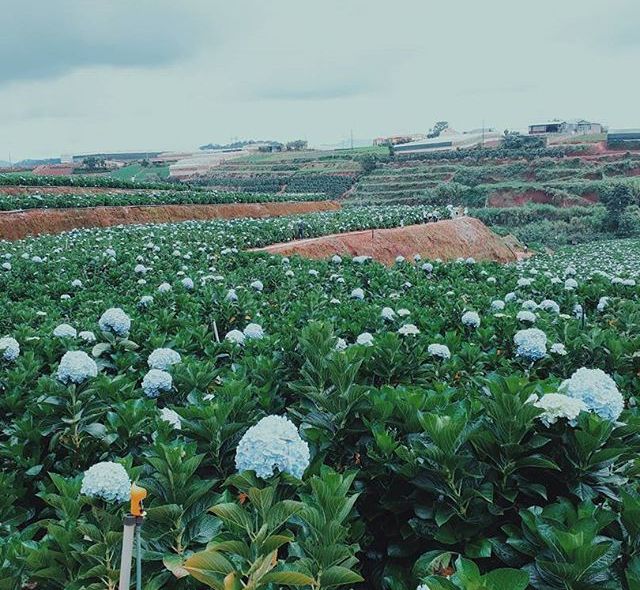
[
  {"x": 106, "y": 480},
  {"x": 76, "y": 367},
  {"x": 272, "y": 444},
  {"x": 155, "y": 382},
  {"x": 115, "y": 320},
  {"x": 9, "y": 348},
  {"x": 526, "y": 316},
  {"x": 597, "y": 390},
  {"x": 163, "y": 359},
  {"x": 531, "y": 343}
]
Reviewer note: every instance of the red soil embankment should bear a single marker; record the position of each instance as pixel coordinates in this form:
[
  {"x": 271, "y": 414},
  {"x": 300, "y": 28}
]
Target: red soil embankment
[
  {"x": 15, "y": 225},
  {"x": 511, "y": 198},
  {"x": 450, "y": 239}
]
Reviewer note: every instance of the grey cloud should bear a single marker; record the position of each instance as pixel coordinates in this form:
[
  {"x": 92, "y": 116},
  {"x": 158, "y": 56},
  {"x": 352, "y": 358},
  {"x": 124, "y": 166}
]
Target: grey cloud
[{"x": 48, "y": 39}]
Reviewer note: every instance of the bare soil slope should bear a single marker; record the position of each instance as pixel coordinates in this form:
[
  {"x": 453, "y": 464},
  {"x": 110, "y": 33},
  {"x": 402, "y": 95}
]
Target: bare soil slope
[
  {"x": 465, "y": 236},
  {"x": 15, "y": 225}
]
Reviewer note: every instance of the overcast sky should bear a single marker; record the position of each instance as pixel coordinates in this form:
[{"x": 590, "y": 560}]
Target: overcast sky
[{"x": 96, "y": 75}]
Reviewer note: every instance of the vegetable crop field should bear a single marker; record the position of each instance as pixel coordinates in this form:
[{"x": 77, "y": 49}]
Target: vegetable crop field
[{"x": 317, "y": 424}]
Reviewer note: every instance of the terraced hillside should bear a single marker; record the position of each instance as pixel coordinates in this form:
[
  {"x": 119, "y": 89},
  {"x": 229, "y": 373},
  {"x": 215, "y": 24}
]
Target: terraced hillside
[
  {"x": 331, "y": 173},
  {"x": 564, "y": 181}
]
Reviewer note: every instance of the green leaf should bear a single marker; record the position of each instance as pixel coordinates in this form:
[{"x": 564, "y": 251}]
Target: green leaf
[
  {"x": 287, "y": 579},
  {"x": 502, "y": 579},
  {"x": 233, "y": 514},
  {"x": 339, "y": 576},
  {"x": 174, "y": 564},
  {"x": 209, "y": 567}
]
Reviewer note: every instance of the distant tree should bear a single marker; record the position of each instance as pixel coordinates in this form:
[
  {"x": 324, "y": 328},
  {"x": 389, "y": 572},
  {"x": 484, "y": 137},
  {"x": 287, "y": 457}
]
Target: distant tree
[
  {"x": 94, "y": 163},
  {"x": 297, "y": 145},
  {"x": 515, "y": 141},
  {"x": 145, "y": 163},
  {"x": 617, "y": 199},
  {"x": 368, "y": 163},
  {"x": 437, "y": 129}
]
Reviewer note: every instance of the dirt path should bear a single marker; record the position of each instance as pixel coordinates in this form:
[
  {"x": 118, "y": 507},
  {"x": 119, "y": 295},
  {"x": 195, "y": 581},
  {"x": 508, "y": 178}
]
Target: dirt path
[{"x": 15, "y": 225}]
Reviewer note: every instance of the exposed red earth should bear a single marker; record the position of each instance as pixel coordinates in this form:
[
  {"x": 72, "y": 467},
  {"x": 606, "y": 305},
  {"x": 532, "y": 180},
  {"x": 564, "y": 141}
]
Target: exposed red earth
[
  {"x": 15, "y": 225},
  {"x": 510, "y": 198},
  {"x": 448, "y": 240}
]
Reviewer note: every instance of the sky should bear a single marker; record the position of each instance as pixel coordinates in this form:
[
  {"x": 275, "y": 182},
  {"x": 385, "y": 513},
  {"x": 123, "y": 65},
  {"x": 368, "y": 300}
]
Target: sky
[{"x": 80, "y": 76}]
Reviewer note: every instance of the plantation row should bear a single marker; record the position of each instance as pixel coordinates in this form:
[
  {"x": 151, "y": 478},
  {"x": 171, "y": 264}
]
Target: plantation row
[
  {"x": 17, "y": 179},
  {"x": 382, "y": 428},
  {"x": 166, "y": 197}
]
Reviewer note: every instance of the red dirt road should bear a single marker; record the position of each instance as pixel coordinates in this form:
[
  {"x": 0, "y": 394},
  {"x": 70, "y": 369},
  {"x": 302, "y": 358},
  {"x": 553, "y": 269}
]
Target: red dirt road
[
  {"x": 450, "y": 239},
  {"x": 15, "y": 225}
]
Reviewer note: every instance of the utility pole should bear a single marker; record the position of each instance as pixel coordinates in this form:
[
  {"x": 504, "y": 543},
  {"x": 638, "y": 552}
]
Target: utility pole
[{"x": 352, "y": 139}]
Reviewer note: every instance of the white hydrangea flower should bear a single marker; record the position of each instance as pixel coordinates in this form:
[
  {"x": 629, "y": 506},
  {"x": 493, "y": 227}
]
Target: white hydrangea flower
[
  {"x": 257, "y": 285},
  {"x": 87, "y": 336},
  {"x": 357, "y": 293},
  {"x": 341, "y": 344},
  {"x": 235, "y": 336},
  {"x": 254, "y": 331},
  {"x": 408, "y": 330},
  {"x": 557, "y": 406},
  {"x": 365, "y": 339},
  {"x": 65, "y": 331},
  {"x": 164, "y": 288},
  {"x": 549, "y": 305},
  {"x": 336, "y": 259},
  {"x": 116, "y": 321},
  {"x": 76, "y": 283},
  {"x": 440, "y": 350},
  {"x": 155, "y": 382},
  {"x": 145, "y": 301},
  {"x": 140, "y": 269},
  {"x": 273, "y": 444},
  {"x": 6, "y": 266},
  {"x": 471, "y": 319},
  {"x": 602, "y": 303},
  {"x": 497, "y": 305},
  {"x": 231, "y": 295},
  {"x": 172, "y": 417},
  {"x": 570, "y": 284},
  {"x": 427, "y": 267},
  {"x": 187, "y": 283},
  {"x": 526, "y": 316},
  {"x": 400, "y": 259},
  {"x": 509, "y": 297},
  {"x": 163, "y": 359},
  {"x": 106, "y": 480},
  {"x": 388, "y": 313},
  {"x": 76, "y": 367},
  {"x": 558, "y": 348},
  {"x": 9, "y": 348}
]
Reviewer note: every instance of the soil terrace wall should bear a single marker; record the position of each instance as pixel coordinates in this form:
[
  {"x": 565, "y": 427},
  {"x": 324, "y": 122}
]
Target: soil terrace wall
[{"x": 15, "y": 225}]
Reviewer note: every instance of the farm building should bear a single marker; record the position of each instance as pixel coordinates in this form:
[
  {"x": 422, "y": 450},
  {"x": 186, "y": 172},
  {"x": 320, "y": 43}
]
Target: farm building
[
  {"x": 546, "y": 127},
  {"x": 450, "y": 140},
  {"x": 623, "y": 137},
  {"x": 571, "y": 127}
]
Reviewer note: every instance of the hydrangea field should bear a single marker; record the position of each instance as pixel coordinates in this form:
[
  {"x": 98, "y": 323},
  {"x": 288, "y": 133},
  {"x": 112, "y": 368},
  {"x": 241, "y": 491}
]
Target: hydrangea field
[{"x": 317, "y": 424}]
